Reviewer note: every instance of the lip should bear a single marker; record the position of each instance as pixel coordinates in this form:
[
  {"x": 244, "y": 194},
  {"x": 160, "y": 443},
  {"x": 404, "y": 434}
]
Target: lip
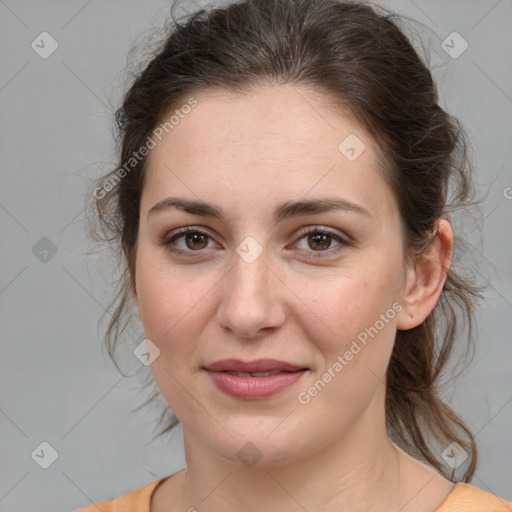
[
  {"x": 253, "y": 388},
  {"x": 258, "y": 365}
]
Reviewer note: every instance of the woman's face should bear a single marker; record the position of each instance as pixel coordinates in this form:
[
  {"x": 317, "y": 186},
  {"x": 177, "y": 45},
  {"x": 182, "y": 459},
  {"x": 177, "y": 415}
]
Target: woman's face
[{"x": 255, "y": 284}]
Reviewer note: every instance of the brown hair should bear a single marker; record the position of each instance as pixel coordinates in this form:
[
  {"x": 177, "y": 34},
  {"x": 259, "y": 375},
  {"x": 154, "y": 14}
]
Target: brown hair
[{"x": 356, "y": 56}]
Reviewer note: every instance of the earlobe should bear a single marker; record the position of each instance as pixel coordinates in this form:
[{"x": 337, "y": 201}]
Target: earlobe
[
  {"x": 425, "y": 281},
  {"x": 409, "y": 317}
]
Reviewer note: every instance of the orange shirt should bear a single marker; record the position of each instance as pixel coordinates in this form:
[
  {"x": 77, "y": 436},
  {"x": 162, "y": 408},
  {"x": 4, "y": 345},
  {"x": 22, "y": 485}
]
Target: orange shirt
[{"x": 463, "y": 498}]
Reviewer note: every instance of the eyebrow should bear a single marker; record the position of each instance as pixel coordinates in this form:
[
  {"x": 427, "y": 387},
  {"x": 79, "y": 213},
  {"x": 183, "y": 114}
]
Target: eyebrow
[{"x": 282, "y": 212}]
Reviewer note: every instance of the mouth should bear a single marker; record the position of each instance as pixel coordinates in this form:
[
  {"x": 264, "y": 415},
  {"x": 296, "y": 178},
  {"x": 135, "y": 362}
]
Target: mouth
[
  {"x": 254, "y": 380},
  {"x": 253, "y": 367},
  {"x": 253, "y": 374}
]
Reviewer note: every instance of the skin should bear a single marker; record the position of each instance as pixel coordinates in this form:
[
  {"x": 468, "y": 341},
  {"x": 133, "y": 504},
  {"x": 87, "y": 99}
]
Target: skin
[{"x": 246, "y": 154}]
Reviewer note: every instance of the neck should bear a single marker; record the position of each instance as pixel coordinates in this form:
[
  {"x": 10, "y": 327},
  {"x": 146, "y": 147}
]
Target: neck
[{"x": 358, "y": 472}]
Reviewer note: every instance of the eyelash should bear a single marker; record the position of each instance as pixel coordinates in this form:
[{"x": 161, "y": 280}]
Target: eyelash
[{"x": 168, "y": 241}]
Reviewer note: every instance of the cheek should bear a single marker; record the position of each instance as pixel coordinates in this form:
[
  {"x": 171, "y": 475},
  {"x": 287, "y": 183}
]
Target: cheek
[
  {"x": 174, "y": 308},
  {"x": 351, "y": 321},
  {"x": 170, "y": 297},
  {"x": 340, "y": 307},
  {"x": 358, "y": 321}
]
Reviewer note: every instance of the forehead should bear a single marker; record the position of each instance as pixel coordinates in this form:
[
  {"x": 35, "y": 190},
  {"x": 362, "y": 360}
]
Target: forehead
[
  {"x": 274, "y": 141},
  {"x": 274, "y": 120}
]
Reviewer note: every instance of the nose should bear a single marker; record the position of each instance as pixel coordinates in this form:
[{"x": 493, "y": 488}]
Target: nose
[{"x": 252, "y": 301}]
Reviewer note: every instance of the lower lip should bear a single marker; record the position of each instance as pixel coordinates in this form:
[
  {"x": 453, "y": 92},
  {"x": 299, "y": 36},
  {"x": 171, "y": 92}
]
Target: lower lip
[{"x": 254, "y": 387}]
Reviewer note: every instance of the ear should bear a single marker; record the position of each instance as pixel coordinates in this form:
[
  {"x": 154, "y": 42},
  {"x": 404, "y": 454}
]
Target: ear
[
  {"x": 135, "y": 300},
  {"x": 424, "y": 282}
]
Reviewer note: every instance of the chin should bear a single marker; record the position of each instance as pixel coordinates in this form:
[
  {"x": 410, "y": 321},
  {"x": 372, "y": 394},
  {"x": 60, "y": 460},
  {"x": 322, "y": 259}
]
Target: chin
[{"x": 255, "y": 447}]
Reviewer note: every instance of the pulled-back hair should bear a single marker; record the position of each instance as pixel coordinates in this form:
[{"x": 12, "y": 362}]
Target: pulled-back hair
[{"x": 356, "y": 56}]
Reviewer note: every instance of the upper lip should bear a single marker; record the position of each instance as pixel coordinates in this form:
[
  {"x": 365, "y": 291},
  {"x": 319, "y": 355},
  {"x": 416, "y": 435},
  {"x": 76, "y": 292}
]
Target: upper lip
[{"x": 258, "y": 365}]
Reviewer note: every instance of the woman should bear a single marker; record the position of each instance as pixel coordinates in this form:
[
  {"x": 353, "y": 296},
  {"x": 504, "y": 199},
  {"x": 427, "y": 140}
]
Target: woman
[{"x": 281, "y": 204}]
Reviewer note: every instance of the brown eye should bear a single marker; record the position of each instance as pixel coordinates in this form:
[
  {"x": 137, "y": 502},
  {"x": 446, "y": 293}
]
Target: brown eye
[
  {"x": 196, "y": 241},
  {"x": 187, "y": 241},
  {"x": 319, "y": 241}
]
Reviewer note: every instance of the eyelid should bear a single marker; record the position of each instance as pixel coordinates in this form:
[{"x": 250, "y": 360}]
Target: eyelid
[{"x": 323, "y": 229}]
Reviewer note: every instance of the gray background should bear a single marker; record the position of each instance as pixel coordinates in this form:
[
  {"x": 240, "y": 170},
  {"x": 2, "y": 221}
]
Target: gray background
[{"x": 57, "y": 384}]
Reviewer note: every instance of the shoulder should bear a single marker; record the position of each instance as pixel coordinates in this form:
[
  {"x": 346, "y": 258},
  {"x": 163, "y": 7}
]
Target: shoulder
[
  {"x": 467, "y": 498},
  {"x": 137, "y": 500}
]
